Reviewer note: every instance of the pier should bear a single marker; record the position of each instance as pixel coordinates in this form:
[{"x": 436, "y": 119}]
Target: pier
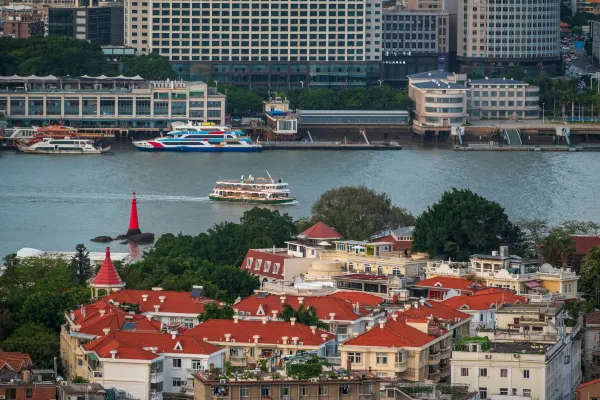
[{"x": 329, "y": 146}]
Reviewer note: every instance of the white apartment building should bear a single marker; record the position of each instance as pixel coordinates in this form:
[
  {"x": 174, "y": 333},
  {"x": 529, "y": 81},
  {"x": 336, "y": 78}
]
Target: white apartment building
[
  {"x": 496, "y": 35},
  {"x": 501, "y": 98}
]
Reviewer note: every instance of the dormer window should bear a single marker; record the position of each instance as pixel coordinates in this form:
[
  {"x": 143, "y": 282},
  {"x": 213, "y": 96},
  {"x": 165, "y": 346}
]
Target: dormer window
[
  {"x": 267, "y": 266},
  {"x": 257, "y": 265},
  {"x": 249, "y": 262},
  {"x": 276, "y": 268}
]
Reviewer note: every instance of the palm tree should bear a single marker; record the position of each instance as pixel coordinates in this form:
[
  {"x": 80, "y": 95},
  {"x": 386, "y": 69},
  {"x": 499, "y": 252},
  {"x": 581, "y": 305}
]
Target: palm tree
[{"x": 558, "y": 246}]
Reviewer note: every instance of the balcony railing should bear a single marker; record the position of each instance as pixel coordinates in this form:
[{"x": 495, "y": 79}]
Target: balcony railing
[
  {"x": 444, "y": 372},
  {"x": 156, "y": 377},
  {"x": 192, "y": 371},
  {"x": 434, "y": 375},
  {"x": 435, "y": 358},
  {"x": 237, "y": 361},
  {"x": 401, "y": 366},
  {"x": 446, "y": 352}
]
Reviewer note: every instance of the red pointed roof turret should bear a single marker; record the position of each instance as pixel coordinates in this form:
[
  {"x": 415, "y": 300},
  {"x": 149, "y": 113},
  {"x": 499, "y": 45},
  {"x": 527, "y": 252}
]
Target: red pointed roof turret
[
  {"x": 107, "y": 276},
  {"x": 134, "y": 226},
  {"x": 320, "y": 231}
]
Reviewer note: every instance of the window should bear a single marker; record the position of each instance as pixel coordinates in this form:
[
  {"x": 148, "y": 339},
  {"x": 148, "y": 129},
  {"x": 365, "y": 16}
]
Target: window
[
  {"x": 379, "y": 270},
  {"x": 400, "y": 357},
  {"x": 464, "y": 372},
  {"x": 244, "y": 391},
  {"x": 514, "y": 391},
  {"x": 525, "y": 374},
  {"x": 10, "y": 394},
  {"x": 355, "y": 358},
  {"x": 504, "y": 373},
  {"x": 382, "y": 358},
  {"x": 568, "y": 288},
  {"x": 284, "y": 390},
  {"x": 303, "y": 390},
  {"x": 177, "y": 363},
  {"x": 483, "y": 373},
  {"x": 29, "y": 393},
  {"x": 482, "y": 393},
  {"x": 344, "y": 388},
  {"x": 188, "y": 322},
  {"x": 265, "y": 390},
  {"x": 526, "y": 392},
  {"x": 177, "y": 382},
  {"x": 504, "y": 391},
  {"x": 197, "y": 365},
  {"x": 323, "y": 390}
]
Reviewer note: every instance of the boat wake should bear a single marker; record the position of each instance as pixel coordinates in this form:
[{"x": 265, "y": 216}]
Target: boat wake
[{"x": 107, "y": 196}]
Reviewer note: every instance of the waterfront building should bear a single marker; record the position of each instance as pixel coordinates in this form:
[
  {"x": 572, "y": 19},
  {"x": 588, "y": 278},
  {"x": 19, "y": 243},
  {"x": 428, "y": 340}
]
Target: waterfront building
[
  {"x": 501, "y": 98},
  {"x": 352, "y": 117},
  {"x": 414, "y": 344},
  {"x": 343, "y": 317},
  {"x": 495, "y": 36},
  {"x": 400, "y": 237},
  {"x": 125, "y": 102},
  {"x": 278, "y": 45},
  {"x": 503, "y": 270},
  {"x": 21, "y": 22},
  {"x": 362, "y": 385},
  {"x": 282, "y": 124},
  {"x": 414, "y": 40},
  {"x": 102, "y": 25},
  {"x": 591, "y": 346}
]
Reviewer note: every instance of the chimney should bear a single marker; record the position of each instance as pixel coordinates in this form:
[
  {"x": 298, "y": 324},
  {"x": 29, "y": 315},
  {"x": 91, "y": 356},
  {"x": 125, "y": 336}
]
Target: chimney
[
  {"x": 256, "y": 337},
  {"x": 235, "y": 319},
  {"x": 106, "y": 331},
  {"x": 381, "y": 323},
  {"x": 313, "y": 329},
  {"x": 264, "y": 320},
  {"x": 406, "y": 306},
  {"x": 295, "y": 339},
  {"x": 238, "y": 300},
  {"x": 332, "y": 316},
  {"x": 72, "y": 315},
  {"x": 416, "y": 305},
  {"x": 324, "y": 336},
  {"x": 173, "y": 334},
  {"x": 274, "y": 312},
  {"x": 102, "y": 312},
  {"x": 395, "y": 317},
  {"x": 282, "y": 298},
  {"x": 228, "y": 337},
  {"x": 148, "y": 317},
  {"x": 300, "y": 300},
  {"x": 422, "y": 301},
  {"x": 144, "y": 297},
  {"x": 113, "y": 353},
  {"x": 355, "y": 334},
  {"x": 162, "y": 298},
  {"x": 293, "y": 321},
  {"x": 503, "y": 251},
  {"x": 157, "y": 289},
  {"x": 284, "y": 339},
  {"x": 156, "y": 307}
]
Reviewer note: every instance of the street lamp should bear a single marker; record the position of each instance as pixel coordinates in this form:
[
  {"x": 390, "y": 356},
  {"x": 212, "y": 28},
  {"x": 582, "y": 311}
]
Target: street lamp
[
  {"x": 380, "y": 81},
  {"x": 216, "y": 83},
  {"x": 302, "y": 83},
  {"x": 543, "y": 114}
]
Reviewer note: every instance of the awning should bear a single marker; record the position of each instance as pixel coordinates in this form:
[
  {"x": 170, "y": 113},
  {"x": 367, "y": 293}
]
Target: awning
[
  {"x": 111, "y": 394},
  {"x": 93, "y": 356},
  {"x": 532, "y": 284}
]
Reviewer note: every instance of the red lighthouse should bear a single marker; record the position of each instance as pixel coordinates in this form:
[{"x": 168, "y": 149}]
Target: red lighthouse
[{"x": 134, "y": 226}]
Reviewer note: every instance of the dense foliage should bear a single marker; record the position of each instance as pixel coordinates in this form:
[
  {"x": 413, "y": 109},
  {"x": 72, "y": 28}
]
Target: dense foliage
[
  {"x": 57, "y": 56},
  {"x": 242, "y": 101},
  {"x": 556, "y": 246},
  {"x": 590, "y": 274},
  {"x": 463, "y": 223},
  {"x": 304, "y": 315},
  {"x": 213, "y": 311},
  {"x": 373, "y": 98},
  {"x": 152, "y": 66},
  {"x": 211, "y": 259},
  {"x": 34, "y": 294},
  {"x": 357, "y": 212},
  {"x": 311, "y": 368},
  {"x": 81, "y": 266}
]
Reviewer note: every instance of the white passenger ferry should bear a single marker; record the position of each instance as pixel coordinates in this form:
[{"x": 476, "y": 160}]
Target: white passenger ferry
[
  {"x": 262, "y": 190},
  {"x": 10, "y": 136},
  {"x": 63, "y": 146}
]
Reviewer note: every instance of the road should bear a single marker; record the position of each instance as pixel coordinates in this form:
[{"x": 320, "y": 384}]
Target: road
[{"x": 582, "y": 65}]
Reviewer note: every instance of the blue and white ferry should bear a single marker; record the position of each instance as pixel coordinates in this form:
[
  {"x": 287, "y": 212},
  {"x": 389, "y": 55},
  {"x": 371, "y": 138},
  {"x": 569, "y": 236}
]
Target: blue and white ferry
[{"x": 202, "y": 138}]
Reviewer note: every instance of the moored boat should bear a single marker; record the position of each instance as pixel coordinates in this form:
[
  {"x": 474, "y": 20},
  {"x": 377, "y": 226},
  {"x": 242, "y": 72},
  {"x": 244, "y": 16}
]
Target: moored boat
[
  {"x": 201, "y": 141},
  {"x": 66, "y": 145},
  {"x": 260, "y": 190}
]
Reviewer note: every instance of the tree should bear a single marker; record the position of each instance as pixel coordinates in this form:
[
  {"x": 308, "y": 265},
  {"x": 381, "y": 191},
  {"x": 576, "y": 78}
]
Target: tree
[
  {"x": 517, "y": 73},
  {"x": 304, "y": 315},
  {"x": 242, "y": 101},
  {"x": 590, "y": 274},
  {"x": 577, "y": 30},
  {"x": 307, "y": 369},
  {"x": 558, "y": 246},
  {"x": 39, "y": 342},
  {"x": 213, "y": 311},
  {"x": 152, "y": 66},
  {"x": 534, "y": 233},
  {"x": 463, "y": 223},
  {"x": 81, "y": 266},
  {"x": 357, "y": 212}
]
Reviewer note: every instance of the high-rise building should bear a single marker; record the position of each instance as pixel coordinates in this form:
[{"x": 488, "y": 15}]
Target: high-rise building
[
  {"x": 497, "y": 35},
  {"x": 22, "y": 21},
  {"x": 102, "y": 25},
  {"x": 277, "y": 44}
]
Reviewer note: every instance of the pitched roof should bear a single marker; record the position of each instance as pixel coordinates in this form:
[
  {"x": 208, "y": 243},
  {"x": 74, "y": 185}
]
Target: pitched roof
[
  {"x": 214, "y": 330},
  {"x": 321, "y": 231},
  {"x": 592, "y": 318},
  {"x": 393, "y": 334},
  {"x": 273, "y": 271},
  {"x": 444, "y": 282},
  {"x": 324, "y": 305},
  {"x": 107, "y": 274},
  {"x": 483, "y": 301},
  {"x": 584, "y": 243},
  {"x": 172, "y": 302},
  {"x": 14, "y": 361},
  {"x": 362, "y": 298},
  {"x": 590, "y": 383},
  {"x": 136, "y": 346},
  {"x": 437, "y": 310}
]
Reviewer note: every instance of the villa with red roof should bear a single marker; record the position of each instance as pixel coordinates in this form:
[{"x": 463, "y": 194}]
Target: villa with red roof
[
  {"x": 441, "y": 287},
  {"x": 583, "y": 244},
  {"x": 147, "y": 364},
  {"x": 343, "y": 317},
  {"x": 19, "y": 381},
  {"x": 14, "y": 361}
]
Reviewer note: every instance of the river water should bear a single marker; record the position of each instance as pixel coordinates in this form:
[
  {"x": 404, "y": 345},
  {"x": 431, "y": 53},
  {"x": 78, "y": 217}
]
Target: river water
[{"x": 54, "y": 202}]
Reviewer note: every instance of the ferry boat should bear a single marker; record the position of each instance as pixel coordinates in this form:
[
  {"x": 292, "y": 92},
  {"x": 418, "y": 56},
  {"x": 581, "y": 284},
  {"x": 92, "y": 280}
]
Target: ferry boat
[
  {"x": 66, "y": 145},
  {"x": 10, "y": 136},
  {"x": 261, "y": 190},
  {"x": 201, "y": 140}
]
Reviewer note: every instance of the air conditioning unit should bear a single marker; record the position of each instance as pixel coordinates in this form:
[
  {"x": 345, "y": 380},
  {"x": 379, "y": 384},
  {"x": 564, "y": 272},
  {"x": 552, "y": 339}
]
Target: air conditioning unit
[
  {"x": 2, "y": 397},
  {"x": 516, "y": 355},
  {"x": 488, "y": 356},
  {"x": 222, "y": 381}
]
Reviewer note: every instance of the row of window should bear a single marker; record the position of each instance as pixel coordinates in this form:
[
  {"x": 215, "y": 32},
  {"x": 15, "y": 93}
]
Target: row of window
[
  {"x": 483, "y": 392},
  {"x": 265, "y": 5},
  {"x": 266, "y": 44},
  {"x": 382, "y": 358},
  {"x": 256, "y": 36},
  {"x": 483, "y": 373}
]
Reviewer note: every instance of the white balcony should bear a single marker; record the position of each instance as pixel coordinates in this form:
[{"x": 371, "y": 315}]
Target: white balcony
[{"x": 156, "y": 377}]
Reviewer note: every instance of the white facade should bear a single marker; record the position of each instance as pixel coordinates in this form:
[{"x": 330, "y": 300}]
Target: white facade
[
  {"x": 133, "y": 376},
  {"x": 178, "y": 369}
]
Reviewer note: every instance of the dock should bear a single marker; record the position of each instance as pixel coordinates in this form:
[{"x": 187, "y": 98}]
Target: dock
[
  {"x": 329, "y": 146},
  {"x": 487, "y": 147}
]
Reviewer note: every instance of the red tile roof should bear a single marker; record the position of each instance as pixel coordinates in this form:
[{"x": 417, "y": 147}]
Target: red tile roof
[
  {"x": 173, "y": 302},
  {"x": 584, "y": 243},
  {"x": 14, "y": 361},
  {"x": 324, "y": 305},
  {"x": 443, "y": 282},
  {"x": 214, "y": 330},
  {"x": 483, "y": 301},
  {"x": 439, "y": 311},
  {"x": 590, "y": 383},
  {"x": 107, "y": 274},
  {"x": 362, "y": 298},
  {"x": 398, "y": 245},
  {"x": 393, "y": 334},
  {"x": 321, "y": 231},
  {"x": 136, "y": 346},
  {"x": 362, "y": 277},
  {"x": 273, "y": 258}
]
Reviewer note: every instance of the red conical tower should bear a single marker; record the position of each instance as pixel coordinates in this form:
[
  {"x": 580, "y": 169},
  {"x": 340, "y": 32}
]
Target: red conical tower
[
  {"x": 134, "y": 227},
  {"x": 107, "y": 278}
]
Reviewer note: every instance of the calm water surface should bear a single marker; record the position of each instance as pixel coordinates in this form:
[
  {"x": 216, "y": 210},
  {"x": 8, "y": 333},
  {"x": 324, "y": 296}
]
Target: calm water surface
[{"x": 55, "y": 202}]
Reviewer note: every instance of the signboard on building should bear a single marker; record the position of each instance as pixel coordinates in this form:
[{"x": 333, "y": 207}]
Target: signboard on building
[
  {"x": 579, "y": 44},
  {"x": 585, "y": 29}
]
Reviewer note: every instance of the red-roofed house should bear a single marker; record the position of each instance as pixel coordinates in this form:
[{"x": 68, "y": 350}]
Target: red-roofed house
[
  {"x": 18, "y": 380},
  {"x": 342, "y": 316},
  {"x": 107, "y": 278},
  {"x": 400, "y": 238},
  {"x": 482, "y": 306},
  {"x": 583, "y": 244},
  {"x": 589, "y": 390},
  {"x": 366, "y": 300},
  {"x": 14, "y": 361},
  {"x": 320, "y": 232},
  {"x": 147, "y": 364},
  {"x": 249, "y": 341},
  {"x": 440, "y": 287},
  {"x": 413, "y": 349}
]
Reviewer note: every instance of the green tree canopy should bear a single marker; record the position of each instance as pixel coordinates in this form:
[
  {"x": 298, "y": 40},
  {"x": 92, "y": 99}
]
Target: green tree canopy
[
  {"x": 463, "y": 223},
  {"x": 558, "y": 245},
  {"x": 590, "y": 274},
  {"x": 307, "y": 369},
  {"x": 40, "y": 342},
  {"x": 304, "y": 315},
  {"x": 380, "y": 97},
  {"x": 81, "y": 266},
  {"x": 357, "y": 212},
  {"x": 242, "y": 101},
  {"x": 152, "y": 66},
  {"x": 213, "y": 311}
]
